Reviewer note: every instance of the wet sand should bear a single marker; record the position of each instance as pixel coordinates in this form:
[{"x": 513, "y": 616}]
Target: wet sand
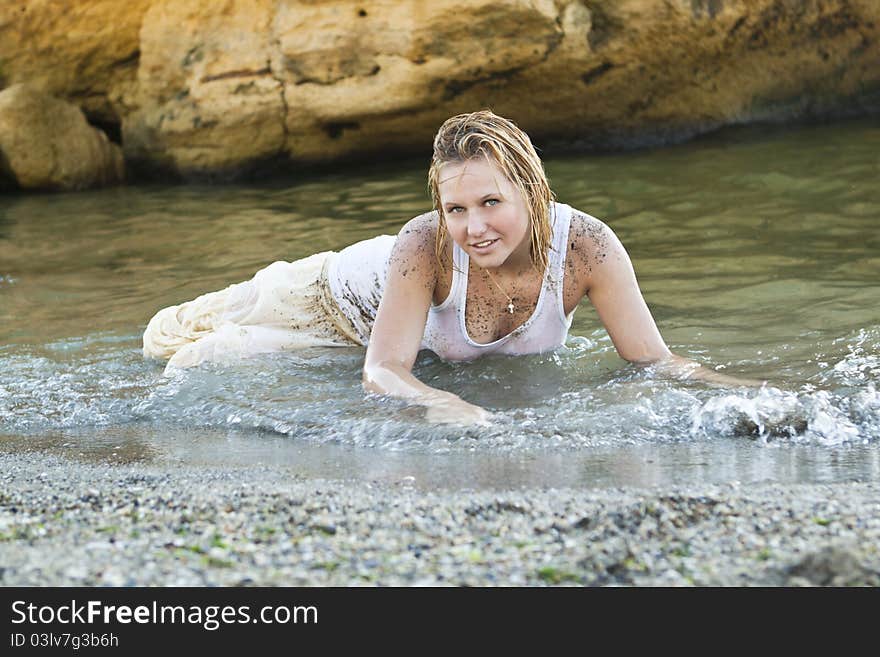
[{"x": 65, "y": 523}]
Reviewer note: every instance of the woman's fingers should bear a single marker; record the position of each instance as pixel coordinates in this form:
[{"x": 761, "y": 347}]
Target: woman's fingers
[{"x": 458, "y": 412}]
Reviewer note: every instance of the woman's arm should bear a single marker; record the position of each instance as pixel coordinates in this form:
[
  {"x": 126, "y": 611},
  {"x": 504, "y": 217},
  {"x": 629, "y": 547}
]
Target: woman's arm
[
  {"x": 683, "y": 368},
  {"x": 400, "y": 324},
  {"x": 606, "y": 276}
]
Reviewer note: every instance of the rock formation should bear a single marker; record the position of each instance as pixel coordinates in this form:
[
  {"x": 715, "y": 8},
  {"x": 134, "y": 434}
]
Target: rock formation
[
  {"x": 215, "y": 88},
  {"x": 47, "y": 144}
]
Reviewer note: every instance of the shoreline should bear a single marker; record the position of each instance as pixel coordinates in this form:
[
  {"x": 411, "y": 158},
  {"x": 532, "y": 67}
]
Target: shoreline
[{"x": 67, "y": 523}]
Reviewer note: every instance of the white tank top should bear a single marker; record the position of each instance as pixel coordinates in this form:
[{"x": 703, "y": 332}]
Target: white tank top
[{"x": 357, "y": 274}]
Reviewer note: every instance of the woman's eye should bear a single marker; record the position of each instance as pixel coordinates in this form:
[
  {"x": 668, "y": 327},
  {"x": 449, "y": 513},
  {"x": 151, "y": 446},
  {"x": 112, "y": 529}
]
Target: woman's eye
[
  {"x": 492, "y": 201},
  {"x": 456, "y": 209}
]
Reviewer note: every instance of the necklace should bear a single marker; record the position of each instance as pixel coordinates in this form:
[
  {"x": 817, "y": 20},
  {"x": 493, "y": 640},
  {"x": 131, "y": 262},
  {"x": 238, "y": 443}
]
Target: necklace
[{"x": 510, "y": 306}]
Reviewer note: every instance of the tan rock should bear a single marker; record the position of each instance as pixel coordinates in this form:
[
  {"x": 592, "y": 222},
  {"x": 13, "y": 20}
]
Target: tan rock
[
  {"x": 209, "y": 101},
  {"x": 346, "y": 79},
  {"x": 85, "y": 51},
  {"x": 385, "y": 74},
  {"x": 215, "y": 87},
  {"x": 46, "y": 143},
  {"x": 658, "y": 70}
]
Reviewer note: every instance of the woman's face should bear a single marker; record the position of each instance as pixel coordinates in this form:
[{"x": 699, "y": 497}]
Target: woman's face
[{"x": 485, "y": 214}]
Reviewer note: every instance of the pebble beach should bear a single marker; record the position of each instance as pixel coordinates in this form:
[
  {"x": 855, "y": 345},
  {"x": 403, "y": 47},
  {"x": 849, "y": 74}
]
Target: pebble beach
[{"x": 66, "y": 523}]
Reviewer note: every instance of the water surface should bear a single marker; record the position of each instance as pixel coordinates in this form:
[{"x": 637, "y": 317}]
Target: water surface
[{"x": 757, "y": 251}]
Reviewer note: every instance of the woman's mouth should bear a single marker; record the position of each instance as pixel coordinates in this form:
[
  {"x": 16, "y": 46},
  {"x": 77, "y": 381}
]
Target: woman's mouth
[{"x": 485, "y": 245}]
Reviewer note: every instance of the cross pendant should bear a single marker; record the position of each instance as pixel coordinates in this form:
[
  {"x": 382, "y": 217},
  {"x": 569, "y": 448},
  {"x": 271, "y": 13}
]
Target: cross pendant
[{"x": 510, "y": 307}]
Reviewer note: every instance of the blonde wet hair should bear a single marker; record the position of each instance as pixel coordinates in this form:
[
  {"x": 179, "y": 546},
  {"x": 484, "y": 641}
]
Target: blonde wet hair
[{"x": 485, "y": 134}]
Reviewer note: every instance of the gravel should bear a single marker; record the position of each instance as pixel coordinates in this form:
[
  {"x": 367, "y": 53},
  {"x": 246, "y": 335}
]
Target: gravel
[{"x": 65, "y": 523}]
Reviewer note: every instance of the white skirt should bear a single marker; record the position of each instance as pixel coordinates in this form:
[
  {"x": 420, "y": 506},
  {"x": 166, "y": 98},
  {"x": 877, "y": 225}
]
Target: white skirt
[{"x": 285, "y": 306}]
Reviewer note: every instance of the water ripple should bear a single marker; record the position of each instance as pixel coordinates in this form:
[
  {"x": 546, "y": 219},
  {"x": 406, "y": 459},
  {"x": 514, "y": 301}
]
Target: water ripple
[{"x": 567, "y": 400}]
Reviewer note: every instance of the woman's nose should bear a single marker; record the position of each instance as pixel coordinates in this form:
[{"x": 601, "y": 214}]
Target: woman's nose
[{"x": 476, "y": 224}]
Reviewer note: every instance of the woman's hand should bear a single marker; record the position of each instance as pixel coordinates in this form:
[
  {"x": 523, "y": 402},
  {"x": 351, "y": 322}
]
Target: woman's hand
[
  {"x": 455, "y": 410},
  {"x": 678, "y": 367}
]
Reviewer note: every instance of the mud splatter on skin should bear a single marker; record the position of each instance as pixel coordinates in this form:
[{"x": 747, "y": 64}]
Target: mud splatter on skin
[
  {"x": 486, "y": 316},
  {"x": 588, "y": 244},
  {"x": 413, "y": 252}
]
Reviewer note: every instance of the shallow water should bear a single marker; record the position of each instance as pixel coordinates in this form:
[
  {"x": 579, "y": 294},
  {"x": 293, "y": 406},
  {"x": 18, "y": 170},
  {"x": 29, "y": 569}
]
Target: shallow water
[{"x": 756, "y": 249}]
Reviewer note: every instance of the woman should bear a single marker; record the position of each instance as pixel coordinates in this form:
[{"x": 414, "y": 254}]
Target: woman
[{"x": 497, "y": 267}]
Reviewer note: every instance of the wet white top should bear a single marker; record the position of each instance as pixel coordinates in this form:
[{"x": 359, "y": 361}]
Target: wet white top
[
  {"x": 546, "y": 329},
  {"x": 357, "y": 274}
]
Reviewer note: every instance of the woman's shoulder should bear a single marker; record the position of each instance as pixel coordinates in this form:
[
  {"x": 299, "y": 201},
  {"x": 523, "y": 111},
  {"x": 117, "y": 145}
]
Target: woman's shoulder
[
  {"x": 415, "y": 245},
  {"x": 589, "y": 241},
  {"x": 423, "y": 226},
  {"x": 586, "y": 231},
  {"x": 585, "y": 221},
  {"x": 580, "y": 223},
  {"x": 418, "y": 234}
]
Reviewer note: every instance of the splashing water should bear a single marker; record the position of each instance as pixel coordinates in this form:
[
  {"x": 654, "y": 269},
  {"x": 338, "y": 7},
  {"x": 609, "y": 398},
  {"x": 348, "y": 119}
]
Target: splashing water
[
  {"x": 558, "y": 401},
  {"x": 755, "y": 260}
]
